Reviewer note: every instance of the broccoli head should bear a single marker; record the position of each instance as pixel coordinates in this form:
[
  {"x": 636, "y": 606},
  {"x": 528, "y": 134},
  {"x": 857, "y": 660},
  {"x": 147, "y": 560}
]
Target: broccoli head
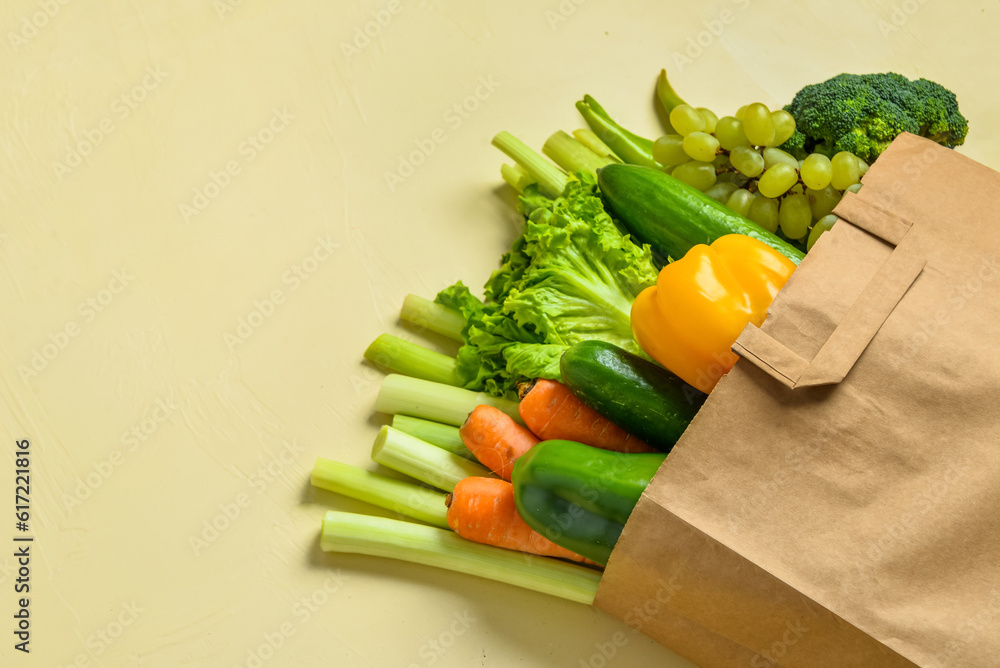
[{"x": 863, "y": 113}]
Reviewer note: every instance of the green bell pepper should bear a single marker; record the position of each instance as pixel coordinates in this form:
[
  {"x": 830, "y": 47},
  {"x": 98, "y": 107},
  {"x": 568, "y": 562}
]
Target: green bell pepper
[{"x": 578, "y": 496}]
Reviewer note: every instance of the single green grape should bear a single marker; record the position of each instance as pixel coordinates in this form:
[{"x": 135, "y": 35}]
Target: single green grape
[
  {"x": 758, "y": 125},
  {"x": 773, "y": 156},
  {"x": 721, "y": 191},
  {"x": 740, "y": 111},
  {"x": 845, "y": 170},
  {"x": 764, "y": 212},
  {"x": 697, "y": 174},
  {"x": 733, "y": 177},
  {"x": 856, "y": 188},
  {"x": 816, "y": 171},
  {"x": 668, "y": 150},
  {"x": 700, "y": 146},
  {"x": 747, "y": 161},
  {"x": 686, "y": 119},
  {"x": 729, "y": 132},
  {"x": 740, "y": 201},
  {"x": 710, "y": 118},
  {"x": 794, "y": 216},
  {"x": 784, "y": 126},
  {"x": 823, "y": 201},
  {"x": 776, "y": 181},
  {"x": 822, "y": 225}
]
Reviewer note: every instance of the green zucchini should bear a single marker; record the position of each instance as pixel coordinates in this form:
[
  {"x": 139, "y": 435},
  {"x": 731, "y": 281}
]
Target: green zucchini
[
  {"x": 639, "y": 396},
  {"x": 671, "y": 216}
]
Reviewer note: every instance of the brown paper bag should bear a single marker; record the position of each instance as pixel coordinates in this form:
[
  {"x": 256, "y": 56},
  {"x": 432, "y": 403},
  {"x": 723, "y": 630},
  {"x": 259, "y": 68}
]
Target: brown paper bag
[{"x": 837, "y": 500}]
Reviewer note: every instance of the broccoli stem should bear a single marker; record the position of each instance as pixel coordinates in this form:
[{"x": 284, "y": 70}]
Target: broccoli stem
[
  {"x": 516, "y": 177},
  {"x": 395, "y": 355},
  {"x": 427, "y": 314},
  {"x": 405, "y": 498},
  {"x": 396, "y": 539},
  {"x": 571, "y": 155},
  {"x": 444, "y": 436},
  {"x": 423, "y": 461},
  {"x": 435, "y": 401},
  {"x": 550, "y": 178}
]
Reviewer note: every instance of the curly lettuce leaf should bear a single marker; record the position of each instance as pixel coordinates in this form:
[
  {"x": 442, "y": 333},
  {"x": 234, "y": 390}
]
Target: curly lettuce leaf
[{"x": 570, "y": 276}]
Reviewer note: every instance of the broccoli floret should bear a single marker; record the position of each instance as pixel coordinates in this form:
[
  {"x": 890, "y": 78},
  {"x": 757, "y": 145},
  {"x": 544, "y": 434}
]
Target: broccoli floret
[{"x": 863, "y": 113}]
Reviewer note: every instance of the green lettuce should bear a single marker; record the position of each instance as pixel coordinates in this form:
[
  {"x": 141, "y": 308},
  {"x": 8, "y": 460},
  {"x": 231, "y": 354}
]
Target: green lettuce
[{"x": 571, "y": 275}]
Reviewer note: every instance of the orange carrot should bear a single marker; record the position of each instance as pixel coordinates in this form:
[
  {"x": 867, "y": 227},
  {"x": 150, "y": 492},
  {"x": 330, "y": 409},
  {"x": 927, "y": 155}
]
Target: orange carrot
[
  {"x": 482, "y": 510},
  {"x": 551, "y": 411},
  {"x": 495, "y": 439}
]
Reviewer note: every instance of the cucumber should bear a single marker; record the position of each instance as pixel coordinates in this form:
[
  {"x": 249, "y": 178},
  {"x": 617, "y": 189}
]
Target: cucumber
[
  {"x": 671, "y": 216},
  {"x": 639, "y": 396}
]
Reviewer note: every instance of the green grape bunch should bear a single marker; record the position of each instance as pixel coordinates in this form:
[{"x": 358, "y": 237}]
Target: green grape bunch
[{"x": 736, "y": 161}]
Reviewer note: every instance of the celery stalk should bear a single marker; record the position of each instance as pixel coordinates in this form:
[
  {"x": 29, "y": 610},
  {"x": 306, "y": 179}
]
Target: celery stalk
[
  {"x": 435, "y": 317},
  {"x": 550, "y": 178},
  {"x": 442, "y": 435},
  {"x": 393, "y": 354},
  {"x": 401, "y": 497},
  {"x": 423, "y": 461},
  {"x": 396, "y": 539},
  {"x": 516, "y": 177},
  {"x": 589, "y": 138},
  {"x": 571, "y": 155},
  {"x": 435, "y": 401}
]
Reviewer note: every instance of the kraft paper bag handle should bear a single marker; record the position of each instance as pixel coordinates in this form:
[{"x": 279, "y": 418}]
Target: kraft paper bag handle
[{"x": 861, "y": 322}]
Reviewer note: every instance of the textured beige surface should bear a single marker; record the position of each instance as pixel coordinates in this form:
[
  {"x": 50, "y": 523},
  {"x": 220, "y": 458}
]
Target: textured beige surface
[{"x": 198, "y": 239}]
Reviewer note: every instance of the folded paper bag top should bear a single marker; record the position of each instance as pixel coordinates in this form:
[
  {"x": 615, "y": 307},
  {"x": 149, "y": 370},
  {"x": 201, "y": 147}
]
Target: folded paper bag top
[{"x": 836, "y": 502}]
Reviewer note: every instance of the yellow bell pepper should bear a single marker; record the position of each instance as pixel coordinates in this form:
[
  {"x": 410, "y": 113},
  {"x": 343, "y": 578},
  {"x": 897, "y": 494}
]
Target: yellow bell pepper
[{"x": 690, "y": 319}]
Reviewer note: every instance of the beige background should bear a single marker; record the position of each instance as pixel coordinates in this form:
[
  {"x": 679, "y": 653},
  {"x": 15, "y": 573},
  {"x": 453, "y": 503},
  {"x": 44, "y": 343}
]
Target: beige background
[{"x": 153, "y": 413}]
